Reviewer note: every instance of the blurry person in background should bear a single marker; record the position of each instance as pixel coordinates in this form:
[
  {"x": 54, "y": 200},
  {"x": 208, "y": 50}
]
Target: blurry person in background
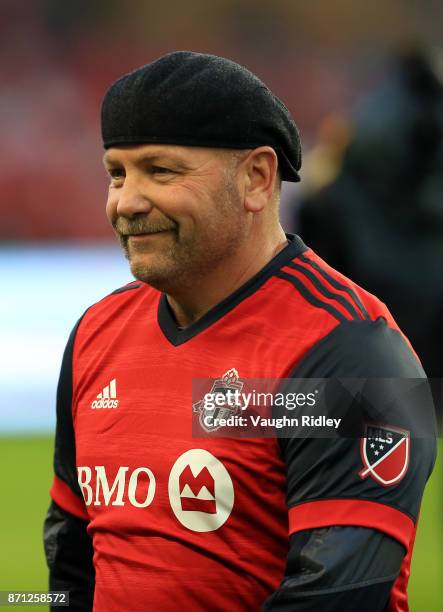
[
  {"x": 144, "y": 516},
  {"x": 380, "y": 220}
]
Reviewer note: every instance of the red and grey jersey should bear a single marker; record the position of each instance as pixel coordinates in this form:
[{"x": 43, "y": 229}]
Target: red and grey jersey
[{"x": 236, "y": 524}]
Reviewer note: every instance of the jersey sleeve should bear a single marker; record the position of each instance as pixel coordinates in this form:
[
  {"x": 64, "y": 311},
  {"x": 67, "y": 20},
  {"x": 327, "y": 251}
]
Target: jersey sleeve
[
  {"x": 68, "y": 547},
  {"x": 326, "y": 478},
  {"x": 351, "y": 535},
  {"x": 338, "y": 568},
  {"x": 65, "y": 490}
]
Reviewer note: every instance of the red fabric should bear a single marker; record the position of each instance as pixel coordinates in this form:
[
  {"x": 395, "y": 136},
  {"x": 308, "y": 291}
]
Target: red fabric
[
  {"x": 148, "y": 511},
  {"x": 324, "y": 513},
  {"x": 310, "y": 286},
  {"x": 373, "y": 305},
  {"x": 337, "y": 276},
  {"x": 66, "y": 499},
  {"x": 141, "y": 551}
]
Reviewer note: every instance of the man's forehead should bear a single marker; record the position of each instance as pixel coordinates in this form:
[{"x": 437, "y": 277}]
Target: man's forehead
[{"x": 144, "y": 152}]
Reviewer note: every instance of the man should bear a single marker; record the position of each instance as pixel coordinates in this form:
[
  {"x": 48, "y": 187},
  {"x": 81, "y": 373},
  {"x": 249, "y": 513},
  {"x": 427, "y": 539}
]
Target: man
[{"x": 196, "y": 147}]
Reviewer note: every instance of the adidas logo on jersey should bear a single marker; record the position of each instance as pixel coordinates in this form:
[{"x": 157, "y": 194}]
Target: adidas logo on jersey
[{"x": 108, "y": 397}]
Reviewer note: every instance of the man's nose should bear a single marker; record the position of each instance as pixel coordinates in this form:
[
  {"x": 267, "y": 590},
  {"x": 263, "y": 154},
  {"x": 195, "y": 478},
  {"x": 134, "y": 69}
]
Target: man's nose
[{"x": 132, "y": 200}]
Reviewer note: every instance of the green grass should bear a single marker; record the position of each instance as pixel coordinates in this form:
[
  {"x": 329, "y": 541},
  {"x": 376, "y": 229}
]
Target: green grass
[
  {"x": 26, "y": 475},
  {"x": 427, "y": 560}
]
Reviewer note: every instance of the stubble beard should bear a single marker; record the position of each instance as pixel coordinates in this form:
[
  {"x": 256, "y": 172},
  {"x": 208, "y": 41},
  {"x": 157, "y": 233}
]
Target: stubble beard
[{"x": 184, "y": 261}]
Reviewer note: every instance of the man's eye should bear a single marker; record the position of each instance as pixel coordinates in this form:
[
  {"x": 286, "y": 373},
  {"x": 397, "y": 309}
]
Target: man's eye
[
  {"x": 161, "y": 170},
  {"x": 116, "y": 173}
]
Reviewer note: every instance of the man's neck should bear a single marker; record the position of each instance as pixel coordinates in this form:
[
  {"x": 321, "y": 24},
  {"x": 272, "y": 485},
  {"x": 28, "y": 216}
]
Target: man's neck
[{"x": 190, "y": 304}]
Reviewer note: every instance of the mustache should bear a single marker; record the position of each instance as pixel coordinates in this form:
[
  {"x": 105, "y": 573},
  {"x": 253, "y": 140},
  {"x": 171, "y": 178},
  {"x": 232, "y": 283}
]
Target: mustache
[{"x": 126, "y": 227}]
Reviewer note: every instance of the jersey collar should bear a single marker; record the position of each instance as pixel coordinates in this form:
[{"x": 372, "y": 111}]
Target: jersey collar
[{"x": 177, "y": 335}]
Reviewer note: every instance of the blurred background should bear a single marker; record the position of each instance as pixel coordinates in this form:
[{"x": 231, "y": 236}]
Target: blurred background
[{"x": 364, "y": 83}]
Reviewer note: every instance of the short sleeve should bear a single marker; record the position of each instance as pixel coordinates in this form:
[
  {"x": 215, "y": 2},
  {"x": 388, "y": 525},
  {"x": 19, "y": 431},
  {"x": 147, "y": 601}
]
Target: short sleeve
[{"x": 328, "y": 480}]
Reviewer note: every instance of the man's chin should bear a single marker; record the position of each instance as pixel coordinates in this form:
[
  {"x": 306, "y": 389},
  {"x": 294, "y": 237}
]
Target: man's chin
[{"x": 155, "y": 275}]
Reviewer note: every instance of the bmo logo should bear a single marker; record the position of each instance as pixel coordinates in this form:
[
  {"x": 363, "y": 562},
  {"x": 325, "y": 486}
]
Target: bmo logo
[{"x": 200, "y": 489}]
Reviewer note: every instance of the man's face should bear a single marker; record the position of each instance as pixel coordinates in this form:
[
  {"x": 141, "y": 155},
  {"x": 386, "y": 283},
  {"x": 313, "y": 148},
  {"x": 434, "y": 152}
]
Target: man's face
[{"x": 176, "y": 210}]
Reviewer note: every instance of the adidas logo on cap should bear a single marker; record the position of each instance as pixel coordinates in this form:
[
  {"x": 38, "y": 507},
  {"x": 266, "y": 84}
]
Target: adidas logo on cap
[{"x": 108, "y": 397}]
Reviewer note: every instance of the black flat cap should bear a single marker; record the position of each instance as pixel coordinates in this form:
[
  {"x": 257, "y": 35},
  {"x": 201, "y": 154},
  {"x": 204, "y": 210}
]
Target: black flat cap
[{"x": 194, "y": 99}]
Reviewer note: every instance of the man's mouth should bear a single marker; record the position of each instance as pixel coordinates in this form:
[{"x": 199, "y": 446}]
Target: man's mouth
[
  {"x": 147, "y": 233},
  {"x": 144, "y": 237}
]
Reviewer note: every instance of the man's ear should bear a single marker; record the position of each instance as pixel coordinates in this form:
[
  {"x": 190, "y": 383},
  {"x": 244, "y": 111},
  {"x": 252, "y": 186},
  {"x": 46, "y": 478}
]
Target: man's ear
[{"x": 261, "y": 168}]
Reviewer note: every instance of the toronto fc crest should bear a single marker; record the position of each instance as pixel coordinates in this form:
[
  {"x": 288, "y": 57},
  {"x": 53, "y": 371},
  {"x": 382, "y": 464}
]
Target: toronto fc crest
[
  {"x": 230, "y": 381},
  {"x": 385, "y": 454}
]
